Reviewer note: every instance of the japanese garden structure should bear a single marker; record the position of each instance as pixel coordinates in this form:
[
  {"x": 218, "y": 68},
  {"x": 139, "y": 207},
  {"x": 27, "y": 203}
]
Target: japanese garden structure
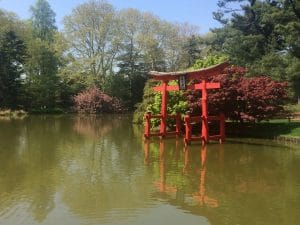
[{"x": 185, "y": 79}]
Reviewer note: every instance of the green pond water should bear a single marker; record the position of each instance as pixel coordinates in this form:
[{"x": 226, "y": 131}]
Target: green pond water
[{"x": 98, "y": 170}]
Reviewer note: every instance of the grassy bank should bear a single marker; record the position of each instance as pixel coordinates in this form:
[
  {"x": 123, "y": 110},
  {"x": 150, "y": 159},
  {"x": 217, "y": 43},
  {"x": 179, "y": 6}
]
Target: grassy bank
[
  {"x": 12, "y": 114},
  {"x": 272, "y": 129}
]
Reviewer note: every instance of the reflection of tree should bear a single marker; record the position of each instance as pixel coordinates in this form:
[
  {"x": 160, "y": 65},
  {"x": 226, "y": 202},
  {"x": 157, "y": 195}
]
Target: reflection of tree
[
  {"x": 103, "y": 173},
  {"x": 42, "y": 156},
  {"x": 29, "y": 162},
  {"x": 227, "y": 182},
  {"x": 93, "y": 126}
]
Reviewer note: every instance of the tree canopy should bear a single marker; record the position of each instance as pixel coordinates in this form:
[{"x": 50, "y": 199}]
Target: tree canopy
[
  {"x": 43, "y": 68},
  {"x": 263, "y": 36}
]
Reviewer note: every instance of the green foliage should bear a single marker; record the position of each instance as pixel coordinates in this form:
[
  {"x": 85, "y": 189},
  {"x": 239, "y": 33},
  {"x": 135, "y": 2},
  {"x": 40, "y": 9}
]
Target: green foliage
[
  {"x": 42, "y": 84},
  {"x": 43, "y": 20},
  {"x": 262, "y": 36},
  {"x": 208, "y": 61},
  {"x": 148, "y": 99},
  {"x": 176, "y": 102},
  {"x": 131, "y": 77},
  {"x": 100, "y": 46},
  {"x": 12, "y": 56}
]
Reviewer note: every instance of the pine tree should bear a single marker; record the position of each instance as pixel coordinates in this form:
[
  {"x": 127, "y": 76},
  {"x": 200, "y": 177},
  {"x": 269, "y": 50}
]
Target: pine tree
[
  {"x": 12, "y": 55},
  {"x": 42, "y": 65}
]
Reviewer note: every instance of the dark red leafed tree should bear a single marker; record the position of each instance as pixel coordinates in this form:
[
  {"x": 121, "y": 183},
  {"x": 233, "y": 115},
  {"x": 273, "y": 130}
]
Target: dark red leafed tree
[{"x": 242, "y": 98}]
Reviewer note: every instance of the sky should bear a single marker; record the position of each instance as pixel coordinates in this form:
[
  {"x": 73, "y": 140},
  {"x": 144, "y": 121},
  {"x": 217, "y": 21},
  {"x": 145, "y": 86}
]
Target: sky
[{"x": 195, "y": 12}]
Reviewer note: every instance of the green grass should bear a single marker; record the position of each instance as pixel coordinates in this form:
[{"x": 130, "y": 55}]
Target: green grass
[
  {"x": 268, "y": 129},
  {"x": 295, "y": 132},
  {"x": 293, "y": 108},
  {"x": 272, "y": 129}
]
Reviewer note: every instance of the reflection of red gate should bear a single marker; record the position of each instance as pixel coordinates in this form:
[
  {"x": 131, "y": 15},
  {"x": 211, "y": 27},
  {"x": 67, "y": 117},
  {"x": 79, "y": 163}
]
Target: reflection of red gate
[{"x": 184, "y": 78}]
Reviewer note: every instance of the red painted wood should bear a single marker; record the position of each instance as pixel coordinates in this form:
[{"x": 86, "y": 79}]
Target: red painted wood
[
  {"x": 208, "y": 86},
  {"x": 188, "y": 129},
  {"x": 204, "y": 118},
  {"x": 189, "y": 87},
  {"x": 202, "y": 74},
  {"x": 213, "y": 118},
  {"x": 163, "y": 122},
  {"x": 195, "y": 119},
  {"x": 156, "y": 116},
  {"x": 215, "y": 137},
  {"x": 204, "y": 131}
]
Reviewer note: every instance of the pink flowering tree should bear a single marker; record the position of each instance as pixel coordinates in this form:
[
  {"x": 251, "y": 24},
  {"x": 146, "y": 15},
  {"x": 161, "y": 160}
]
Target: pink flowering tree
[{"x": 95, "y": 101}]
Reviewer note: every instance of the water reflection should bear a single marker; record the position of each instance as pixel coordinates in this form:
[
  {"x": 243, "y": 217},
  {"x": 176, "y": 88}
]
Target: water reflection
[
  {"x": 233, "y": 182},
  {"x": 97, "y": 170},
  {"x": 201, "y": 196}
]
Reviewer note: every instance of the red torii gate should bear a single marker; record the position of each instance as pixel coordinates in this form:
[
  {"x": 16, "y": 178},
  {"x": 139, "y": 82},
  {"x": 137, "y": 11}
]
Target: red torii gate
[{"x": 183, "y": 79}]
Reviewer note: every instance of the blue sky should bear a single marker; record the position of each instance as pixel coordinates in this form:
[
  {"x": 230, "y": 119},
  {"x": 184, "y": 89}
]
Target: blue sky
[{"x": 196, "y": 12}]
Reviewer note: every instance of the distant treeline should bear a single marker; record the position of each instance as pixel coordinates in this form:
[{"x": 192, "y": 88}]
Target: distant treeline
[{"x": 43, "y": 69}]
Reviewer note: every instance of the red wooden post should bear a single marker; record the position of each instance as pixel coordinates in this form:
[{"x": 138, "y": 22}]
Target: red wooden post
[
  {"x": 146, "y": 151},
  {"x": 222, "y": 127},
  {"x": 162, "y": 166},
  {"x": 188, "y": 128},
  {"x": 178, "y": 125},
  {"x": 163, "y": 122},
  {"x": 204, "y": 132},
  {"x": 202, "y": 176},
  {"x": 147, "y": 125}
]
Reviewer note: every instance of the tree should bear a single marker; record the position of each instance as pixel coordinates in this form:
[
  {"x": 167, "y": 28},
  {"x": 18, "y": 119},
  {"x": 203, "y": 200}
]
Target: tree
[
  {"x": 192, "y": 50},
  {"x": 12, "y": 57},
  {"x": 262, "y": 36},
  {"x": 93, "y": 100},
  {"x": 132, "y": 69},
  {"x": 242, "y": 98},
  {"x": 92, "y": 33},
  {"x": 43, "y": 20},
  {"x": 42, "y": 82}
]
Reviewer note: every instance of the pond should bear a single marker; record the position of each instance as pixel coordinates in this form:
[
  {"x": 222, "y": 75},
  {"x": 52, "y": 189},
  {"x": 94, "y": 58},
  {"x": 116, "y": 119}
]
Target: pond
[{"x": 99, "y": 170}]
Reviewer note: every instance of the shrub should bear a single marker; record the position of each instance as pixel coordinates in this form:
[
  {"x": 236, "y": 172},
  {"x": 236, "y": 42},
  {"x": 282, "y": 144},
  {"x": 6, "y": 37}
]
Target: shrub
[
  {"x": 242, "y": 98},
  {"x": 94, "y": 101}
]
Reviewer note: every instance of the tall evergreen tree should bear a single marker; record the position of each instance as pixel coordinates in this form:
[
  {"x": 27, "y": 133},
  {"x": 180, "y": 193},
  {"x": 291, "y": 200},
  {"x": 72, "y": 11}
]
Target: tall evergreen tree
[
  {"x": 42, "y": 64},
  {"x": 43, "y": 20},
  {"x": 12, "y": 55},
  {"x": 192, "y": 50},
  {"x": 133, "y": 70},
  {"x": 263, "y": 36}
]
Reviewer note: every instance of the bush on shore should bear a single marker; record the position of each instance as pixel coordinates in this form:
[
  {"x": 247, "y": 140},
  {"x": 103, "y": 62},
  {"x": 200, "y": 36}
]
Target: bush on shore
[{"x": 93, "y": 101}]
